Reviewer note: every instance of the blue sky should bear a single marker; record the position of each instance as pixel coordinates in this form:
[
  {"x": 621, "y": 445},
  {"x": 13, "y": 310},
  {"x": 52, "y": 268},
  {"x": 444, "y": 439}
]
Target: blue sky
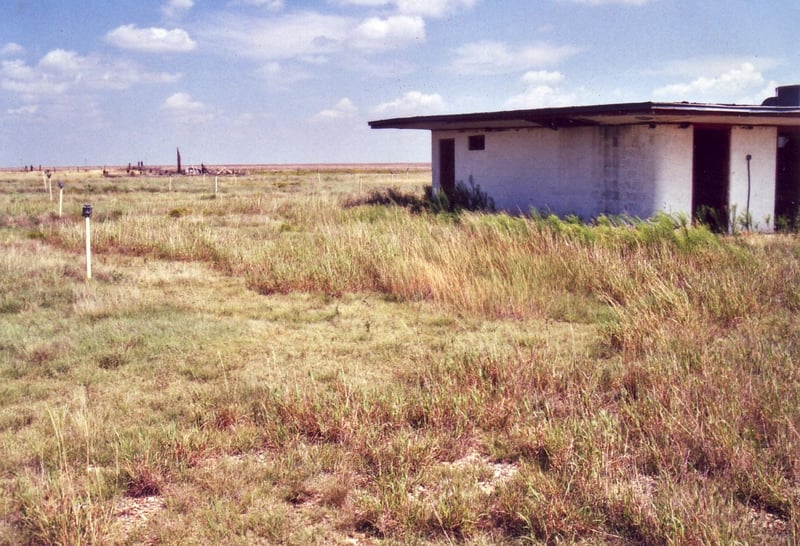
[{"x": 280, "y": 81}]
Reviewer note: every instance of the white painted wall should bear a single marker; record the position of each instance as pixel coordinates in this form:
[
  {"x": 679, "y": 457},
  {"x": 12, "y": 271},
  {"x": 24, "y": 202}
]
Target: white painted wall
[
  {"x": 586, "y": 171},
  {"x": 761, "y": 144}
]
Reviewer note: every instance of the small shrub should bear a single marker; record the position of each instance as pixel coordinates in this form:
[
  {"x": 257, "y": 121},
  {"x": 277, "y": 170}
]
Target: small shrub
[{"x": 463, "y": 197}]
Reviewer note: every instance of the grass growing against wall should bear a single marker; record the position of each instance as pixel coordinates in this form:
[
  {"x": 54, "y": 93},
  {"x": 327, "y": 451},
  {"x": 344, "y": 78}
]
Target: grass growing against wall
[{"x": 297, "y": 359}]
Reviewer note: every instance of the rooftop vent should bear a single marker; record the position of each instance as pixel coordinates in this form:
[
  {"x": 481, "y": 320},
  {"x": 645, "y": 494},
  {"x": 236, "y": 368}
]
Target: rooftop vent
[{"x": 786, "y": 95}]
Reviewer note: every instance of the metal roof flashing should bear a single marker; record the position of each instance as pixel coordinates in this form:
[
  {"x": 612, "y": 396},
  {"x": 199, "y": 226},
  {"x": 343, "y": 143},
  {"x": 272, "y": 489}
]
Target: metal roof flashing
[{"x": 603, "y": 114}]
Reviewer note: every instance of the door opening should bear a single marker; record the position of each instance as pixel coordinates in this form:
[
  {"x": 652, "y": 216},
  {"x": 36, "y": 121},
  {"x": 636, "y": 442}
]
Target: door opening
[
  {"x": 787, "y": 180},
  {"x": 447, "y": 166},
  {"x": 710, "y": 177}
]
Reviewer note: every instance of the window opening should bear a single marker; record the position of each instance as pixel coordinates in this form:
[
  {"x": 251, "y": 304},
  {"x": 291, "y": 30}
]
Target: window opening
[{"x": 477, "y": 142}]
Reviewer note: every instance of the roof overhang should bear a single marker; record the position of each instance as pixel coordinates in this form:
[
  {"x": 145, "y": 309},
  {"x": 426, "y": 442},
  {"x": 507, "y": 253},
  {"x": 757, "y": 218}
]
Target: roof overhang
[{"x": 608, "y": 114}]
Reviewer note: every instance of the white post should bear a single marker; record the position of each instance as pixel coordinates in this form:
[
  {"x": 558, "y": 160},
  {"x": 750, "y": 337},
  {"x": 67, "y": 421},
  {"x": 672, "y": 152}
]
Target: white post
[
  {"x": 87, "y": 213},
  {"x": 319, "y": 178},
  {"x": 50, "y": 188},
  {"x": 216, "y": 185},
  {"x": 170, "y": 183},
  {"x": 88, "y": 249},
  {"x": 60, "y": 201}
]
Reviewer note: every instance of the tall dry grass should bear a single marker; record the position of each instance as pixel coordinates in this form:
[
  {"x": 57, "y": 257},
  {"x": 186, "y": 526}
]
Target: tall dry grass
[{"x": 665, "y": 411}]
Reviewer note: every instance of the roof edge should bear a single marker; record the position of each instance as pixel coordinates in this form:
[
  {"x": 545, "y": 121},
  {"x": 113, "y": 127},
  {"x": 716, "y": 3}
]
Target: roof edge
[{"x": 545, "y": 115}]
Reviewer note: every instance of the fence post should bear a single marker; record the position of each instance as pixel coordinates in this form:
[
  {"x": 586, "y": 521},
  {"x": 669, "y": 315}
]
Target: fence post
[{"x": 87, "y": 213}]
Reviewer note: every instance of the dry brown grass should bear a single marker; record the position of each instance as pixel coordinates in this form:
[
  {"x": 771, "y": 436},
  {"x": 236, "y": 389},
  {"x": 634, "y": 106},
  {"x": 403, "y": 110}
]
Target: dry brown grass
[{"x": 286, "y": 362}]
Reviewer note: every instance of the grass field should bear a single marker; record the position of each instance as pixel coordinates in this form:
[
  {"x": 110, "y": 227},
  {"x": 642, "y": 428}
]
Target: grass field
[{"x": 314, "y": 357}]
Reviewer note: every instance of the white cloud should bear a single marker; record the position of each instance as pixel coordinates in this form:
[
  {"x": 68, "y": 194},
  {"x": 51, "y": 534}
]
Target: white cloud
[
  {"x": 182, "y": 107},
  {"x": 741, "y": 84},
  {"x": 175, "y": 8},
  {"x": 272, "y": 5},
  {"x": 423, "y": 8},
  {"x": 61, "y": 71},
  {"x": 608, "y": 2},
  {"x": 344, "y": 109},
  {"x": 412, "y": 103},
  {"x": 27, "y": 110},
  {"x": 432, "y": 8},
  {"x": 491, "y": 57},
  {"x": 18, "y": 77},
  {"x": 309, "y": 37},
  {"x": 11, "y": 48},
  {"x": 296, "y": 35},
  {"x": 64, "y": 61},
  {"x": 696, "y": 67},
  {"x": 151, "y": 40},
  {"x": 542, "y": 90},
  {"x": 182, "y": 102},
  {"x": 539, "y": 77},
  {"x": 280, "y": 76},
  {"x": 366, "y": 3},
  {"x": 389, "y": 33}
]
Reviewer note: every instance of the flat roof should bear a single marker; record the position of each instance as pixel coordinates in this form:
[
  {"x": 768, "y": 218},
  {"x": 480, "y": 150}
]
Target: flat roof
[{"x": 604, "y": 114}]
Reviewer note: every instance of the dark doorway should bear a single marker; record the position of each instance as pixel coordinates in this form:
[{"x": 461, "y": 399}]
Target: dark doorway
[
  {"x": 447, "y": 165},
  {"x": 787, "y": 180},
  {"x": 711, "y": 177}
]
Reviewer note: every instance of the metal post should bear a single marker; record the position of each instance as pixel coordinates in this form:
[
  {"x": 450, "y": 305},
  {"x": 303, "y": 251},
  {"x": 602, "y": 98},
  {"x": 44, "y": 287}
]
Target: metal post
[
  {"x": 87, "y": 213},
  {"x": 747, "y": 208}
]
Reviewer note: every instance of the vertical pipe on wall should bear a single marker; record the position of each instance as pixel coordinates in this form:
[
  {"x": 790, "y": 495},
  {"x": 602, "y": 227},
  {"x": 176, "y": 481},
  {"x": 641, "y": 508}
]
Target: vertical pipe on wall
[{"x": 749, "y": 158}]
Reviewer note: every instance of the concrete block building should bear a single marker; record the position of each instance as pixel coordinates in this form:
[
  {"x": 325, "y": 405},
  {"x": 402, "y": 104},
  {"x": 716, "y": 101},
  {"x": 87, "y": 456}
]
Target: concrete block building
[{"x": 722, "y": 162}]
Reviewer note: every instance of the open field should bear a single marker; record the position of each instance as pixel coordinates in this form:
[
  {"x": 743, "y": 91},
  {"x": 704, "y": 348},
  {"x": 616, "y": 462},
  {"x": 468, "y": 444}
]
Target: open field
[{"x": 313, "y": 357}]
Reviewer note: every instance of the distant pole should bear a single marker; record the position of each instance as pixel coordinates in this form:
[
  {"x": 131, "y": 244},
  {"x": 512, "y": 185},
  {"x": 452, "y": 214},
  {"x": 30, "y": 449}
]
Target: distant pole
[
  {"x": 179, "y": 160},
  {"x": 87, "y": 213},
  {"x": 216, "y": 184}
]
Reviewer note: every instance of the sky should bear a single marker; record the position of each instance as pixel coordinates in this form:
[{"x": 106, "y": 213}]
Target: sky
[{"x": 100, "y": 82}]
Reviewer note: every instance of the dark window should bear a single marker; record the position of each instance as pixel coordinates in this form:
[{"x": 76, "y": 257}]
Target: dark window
[{"x": 477, "y": 142}]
